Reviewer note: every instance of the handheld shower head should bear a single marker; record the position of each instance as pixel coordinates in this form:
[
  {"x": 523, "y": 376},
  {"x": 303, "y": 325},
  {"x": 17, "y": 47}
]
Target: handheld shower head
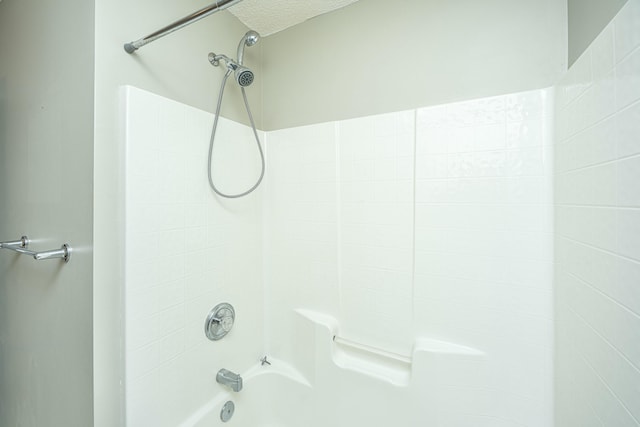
[
  {"x": 244, "y": 76},
  {"x": 249, "y": 39}
]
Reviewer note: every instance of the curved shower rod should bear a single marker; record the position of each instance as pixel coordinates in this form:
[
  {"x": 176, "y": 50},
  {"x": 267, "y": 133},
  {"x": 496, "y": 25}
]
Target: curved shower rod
[{"x": 180, "y": 23}]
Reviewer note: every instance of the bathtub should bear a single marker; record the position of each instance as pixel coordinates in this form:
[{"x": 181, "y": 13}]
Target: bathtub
[
  {"x": 348, "y": 385},
  {"x": 272, "y": 395}
]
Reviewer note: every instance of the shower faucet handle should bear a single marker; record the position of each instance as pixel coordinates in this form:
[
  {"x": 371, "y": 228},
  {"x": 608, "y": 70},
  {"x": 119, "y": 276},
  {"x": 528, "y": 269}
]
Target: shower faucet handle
[
  {"x": 225, "y": 322},
  {"x": 219, "y": 321}
]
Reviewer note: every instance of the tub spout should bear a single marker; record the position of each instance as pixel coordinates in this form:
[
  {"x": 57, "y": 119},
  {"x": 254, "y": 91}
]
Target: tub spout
[{"x": 230, "y": 379}]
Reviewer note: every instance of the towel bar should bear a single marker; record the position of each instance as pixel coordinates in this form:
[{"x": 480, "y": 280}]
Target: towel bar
[{"x": 20, "y": 246}]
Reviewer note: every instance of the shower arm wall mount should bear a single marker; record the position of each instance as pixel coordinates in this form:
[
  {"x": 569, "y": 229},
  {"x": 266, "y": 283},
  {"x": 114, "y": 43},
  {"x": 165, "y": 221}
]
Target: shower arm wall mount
[{"x": 180, "y": 23}]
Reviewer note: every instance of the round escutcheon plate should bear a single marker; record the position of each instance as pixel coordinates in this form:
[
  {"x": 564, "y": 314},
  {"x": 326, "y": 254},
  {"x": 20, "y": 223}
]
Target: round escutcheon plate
[{"x": 219, "y": 321}]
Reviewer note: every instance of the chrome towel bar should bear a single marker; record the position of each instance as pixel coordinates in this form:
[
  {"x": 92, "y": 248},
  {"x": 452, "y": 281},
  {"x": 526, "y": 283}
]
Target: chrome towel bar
[{"x": 20, "y": 246}]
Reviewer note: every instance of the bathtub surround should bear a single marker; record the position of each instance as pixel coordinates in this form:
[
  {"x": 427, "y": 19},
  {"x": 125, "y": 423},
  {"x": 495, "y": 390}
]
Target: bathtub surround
[
  {"x": 434, "y": 223},
  {"x": 391, "y": 242},
  {"x": 185, "y": 252},
  {"x": 597, "y": 195}
]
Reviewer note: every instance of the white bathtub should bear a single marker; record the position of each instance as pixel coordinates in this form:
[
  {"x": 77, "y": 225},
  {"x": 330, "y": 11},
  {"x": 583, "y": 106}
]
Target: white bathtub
[
  {"x": 272, "y": 396},
  {"x": 342, "y": 386}
]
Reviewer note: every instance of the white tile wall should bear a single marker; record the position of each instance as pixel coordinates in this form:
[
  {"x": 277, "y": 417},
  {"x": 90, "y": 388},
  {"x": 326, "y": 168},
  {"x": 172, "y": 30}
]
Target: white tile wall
[
  {"x": 301, "y": 229},
  {"x": 400, "y": 228},
  {"x": 597, "y": 226},
  {"x": 483, "y": 242},
  {"x": 376, "y": 156},
  {"x": 186, "y": 251},
  {"x": 437, "y": 227}
]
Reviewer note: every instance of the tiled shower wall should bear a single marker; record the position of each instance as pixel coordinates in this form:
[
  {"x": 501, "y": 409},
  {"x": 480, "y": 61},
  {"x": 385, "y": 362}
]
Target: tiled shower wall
[
  {"x": 434, "y": 222},
  {"x": 597, "y": 194},
  {"x": 483, "y": 243},
  {"x": 427, "y": 223},
  {"x": 185, "y": 252}
]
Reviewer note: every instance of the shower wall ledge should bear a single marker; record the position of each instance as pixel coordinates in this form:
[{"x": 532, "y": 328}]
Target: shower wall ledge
[{"x": 395, "y": 369}]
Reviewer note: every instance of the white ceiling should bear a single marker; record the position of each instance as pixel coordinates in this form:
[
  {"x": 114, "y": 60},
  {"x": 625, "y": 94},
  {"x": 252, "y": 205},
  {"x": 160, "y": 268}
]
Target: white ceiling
[{"x": 270, "y": 16}]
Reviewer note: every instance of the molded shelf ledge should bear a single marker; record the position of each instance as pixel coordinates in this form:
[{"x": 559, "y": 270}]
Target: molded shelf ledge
[
  {"x": 378, "y": 363},
  {"x": 375, "y": 362}
]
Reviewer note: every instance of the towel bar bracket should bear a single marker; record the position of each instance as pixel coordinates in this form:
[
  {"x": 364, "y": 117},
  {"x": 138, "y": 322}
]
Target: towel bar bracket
[{"x": 22, "y": 243}]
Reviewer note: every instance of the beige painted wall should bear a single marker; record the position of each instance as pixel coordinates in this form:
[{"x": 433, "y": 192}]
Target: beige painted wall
[
  {"x": 372, "y": 57},
  {"x": 46, "y": 192},
  {"x": 587, "y": 18},
  {"x": 175, "y": 67}
]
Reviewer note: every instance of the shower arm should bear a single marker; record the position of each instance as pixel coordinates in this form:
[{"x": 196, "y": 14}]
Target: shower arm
[{"x": 180, "y": 23}]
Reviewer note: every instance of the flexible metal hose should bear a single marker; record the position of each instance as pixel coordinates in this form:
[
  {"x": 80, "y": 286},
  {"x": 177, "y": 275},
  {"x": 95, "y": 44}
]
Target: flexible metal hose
[{"x": 213, "y": 135}]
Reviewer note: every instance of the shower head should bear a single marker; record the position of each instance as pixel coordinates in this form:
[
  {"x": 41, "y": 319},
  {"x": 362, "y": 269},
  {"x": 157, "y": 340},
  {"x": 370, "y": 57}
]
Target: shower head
[
  {"x": 249, "y": 39},
  {"x": 244, "y": 76}
]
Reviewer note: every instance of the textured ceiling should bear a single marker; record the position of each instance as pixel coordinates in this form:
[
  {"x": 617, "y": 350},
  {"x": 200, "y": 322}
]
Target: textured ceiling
[{"x": 270, "y": 16}]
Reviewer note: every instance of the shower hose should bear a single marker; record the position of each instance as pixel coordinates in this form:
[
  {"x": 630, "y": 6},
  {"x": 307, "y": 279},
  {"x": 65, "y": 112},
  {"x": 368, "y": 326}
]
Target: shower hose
[{"x": 213, "y": 135}]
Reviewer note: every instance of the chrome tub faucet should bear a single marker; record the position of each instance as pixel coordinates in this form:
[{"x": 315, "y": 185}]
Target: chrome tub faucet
[{"x": 230, "y": 379}]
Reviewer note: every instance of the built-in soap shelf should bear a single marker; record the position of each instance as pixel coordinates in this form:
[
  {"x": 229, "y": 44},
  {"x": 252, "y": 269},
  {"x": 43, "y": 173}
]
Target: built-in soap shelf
[
  {"x": 375, "y": 362},
  {"x": 379, "y": 363}
]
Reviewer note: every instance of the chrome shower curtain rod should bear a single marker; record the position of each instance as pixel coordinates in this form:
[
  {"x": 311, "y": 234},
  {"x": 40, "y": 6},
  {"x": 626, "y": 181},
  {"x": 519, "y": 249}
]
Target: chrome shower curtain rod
[{"x": 180, "y": 23}]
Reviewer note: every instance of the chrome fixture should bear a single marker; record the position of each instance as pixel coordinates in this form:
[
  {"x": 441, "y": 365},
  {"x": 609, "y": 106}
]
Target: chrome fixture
[
  {"x": 180, "y": 23},
  {"x": 22, "y": 243},
  {"x": 20, "y": 246},
  {"x": 264, "y": 361},
  {"x": 230, "y": 379},
  {"x": 244, "y": 77},
  {"x": 227, "y": 411},
  {"x": 219, "y": 321},
  {"x": 249, "y": 39}
]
